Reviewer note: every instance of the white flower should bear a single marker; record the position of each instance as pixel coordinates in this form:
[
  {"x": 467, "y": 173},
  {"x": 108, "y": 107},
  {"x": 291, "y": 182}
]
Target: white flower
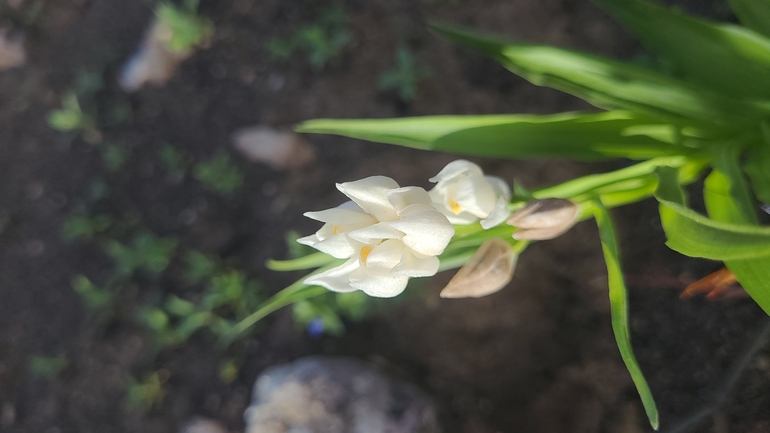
[
  {"x": 465, "y": 195},
  {"x": 387, "y": 233}
]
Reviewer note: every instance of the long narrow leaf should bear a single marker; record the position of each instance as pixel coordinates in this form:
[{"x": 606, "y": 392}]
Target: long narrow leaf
[
  {"x": 610, "y": 84},
  {"x": 727, "y": 199},
  {"x": 757, "y": 166},
  {"x": 619, "y": 311},
  {"x": 726, "y": 58},
  {"x": 754, "y": 14},
  {"x": 573, "y": 135}
]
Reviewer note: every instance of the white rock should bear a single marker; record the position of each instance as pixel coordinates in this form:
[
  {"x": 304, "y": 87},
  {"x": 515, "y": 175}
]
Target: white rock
[
  {"x": 12, "y": 52},
  {"x": 153, "y": 62},
  {"x": 278, "y": 149},
  {"x": 203, "y": 425},
  {"x": 336, "y": 395}
]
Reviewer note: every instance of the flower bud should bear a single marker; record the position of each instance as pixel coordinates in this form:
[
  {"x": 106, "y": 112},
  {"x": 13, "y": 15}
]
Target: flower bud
[
  {"x": 488, "y": 270},
  {"x": 544, "y": 219}
]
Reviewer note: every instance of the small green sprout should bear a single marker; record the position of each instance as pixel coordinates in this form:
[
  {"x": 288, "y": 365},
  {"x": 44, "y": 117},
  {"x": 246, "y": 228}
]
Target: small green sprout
[
  {"x": 147, "y": 252},
  {"x": 219, "y": 174},
  {"x": 148, "y": 393},
  {"x": 70, "y": 117},
  {"x": 405, "y": 76},
  {"x": 320, "y": 41},
  {"x": 175, "y": 160},
  {"x": 186, "y": 29},
  {"x": 199, "y": 267},
  {"x": 94, "y": 298},
  {"x": 84, "y": 227},
  {"x": 115, "y": 156},
  {"x": 228, "y": 370},
  {"x": 47, "y": 367}
]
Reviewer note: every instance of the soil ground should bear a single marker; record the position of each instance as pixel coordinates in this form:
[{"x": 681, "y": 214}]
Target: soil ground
[{"x": 536, "y": 357}]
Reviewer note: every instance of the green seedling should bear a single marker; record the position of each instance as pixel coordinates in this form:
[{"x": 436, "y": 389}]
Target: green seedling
[
  {"x": 148, "y": 393},
  {"x": 199, "y": 267},
  {"x": 174, "y": 160},
  {"x": 405, "y": 76},
  {"x": 84, "y": 227},
  {"x": 146, "y": 252},
  {"x": 228, "y": 370},
  {"x": 186, "y": 29},
  {"x": 47, "y": 367},
  {"x": 70, "y": 117},
  {"x": 219, "y": 174},
  {"x": 115, "y": 156},
  {"x": 320, "y": 41},
  {"x": 94, "y": 298}
]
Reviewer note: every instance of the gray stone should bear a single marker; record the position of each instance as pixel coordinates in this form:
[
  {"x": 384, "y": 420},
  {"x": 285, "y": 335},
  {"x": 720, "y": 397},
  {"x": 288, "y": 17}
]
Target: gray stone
[
  {"x": 203, "y": 425},
  {"x": 279, "y": 149},
  {"x": 336, "y": 395}
]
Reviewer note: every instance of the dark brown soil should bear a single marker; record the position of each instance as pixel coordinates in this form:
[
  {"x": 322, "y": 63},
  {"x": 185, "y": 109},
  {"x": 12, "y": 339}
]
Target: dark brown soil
[{"x": 537, "y": 357}]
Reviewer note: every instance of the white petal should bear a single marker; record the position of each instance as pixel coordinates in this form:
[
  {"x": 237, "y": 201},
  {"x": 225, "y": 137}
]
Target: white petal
[
  {"x": 476, "y": 196},
  {"x": 403, "y": 197},
  {"x": 499, "y": 214},
  {"x": 309, "y": 240},
  {"x": 335, "y": 279},
  {"x": 413, "y": 266},
  {"x": 456, "y": 168},
  {"x": 339, "y": 215},
  {"x": 427, "y": 231},
  {"x": 500, "y": 186},
  {"x": 463, "y": 218},
  {"x": 338, "y": 246},
  {"x": 370, "y": 194},
  {"x": 382, "y": 286},
  {"x": 374, "y": 233},
  {"x": 386, "y": 256}
]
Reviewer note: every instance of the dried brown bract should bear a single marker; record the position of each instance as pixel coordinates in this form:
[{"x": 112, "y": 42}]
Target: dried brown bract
[
  {"x": 488, "y": 270},
  {"x": 544, "y": 219}
]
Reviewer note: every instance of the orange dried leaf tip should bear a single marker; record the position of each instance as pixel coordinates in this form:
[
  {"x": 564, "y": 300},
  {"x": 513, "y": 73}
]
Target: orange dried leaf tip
[{"x": 713, "y": 285}]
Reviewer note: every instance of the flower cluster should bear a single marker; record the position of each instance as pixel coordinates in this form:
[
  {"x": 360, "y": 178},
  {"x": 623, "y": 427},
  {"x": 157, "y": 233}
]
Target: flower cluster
[{"x": 387, "y": 233}]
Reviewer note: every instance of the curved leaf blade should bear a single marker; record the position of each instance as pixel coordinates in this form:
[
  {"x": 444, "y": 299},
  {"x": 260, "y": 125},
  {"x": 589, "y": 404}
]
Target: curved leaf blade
[
  {"x": 727, "y": 58},
  {"x": 695, "y": 235},
  {"x": 611, "y": 84},
  {"x": 728, "y": 199},
  {"x": 754, "y": 14},
  {"x": 619, "y": 311},
  {"x": 574, "y": 135}
]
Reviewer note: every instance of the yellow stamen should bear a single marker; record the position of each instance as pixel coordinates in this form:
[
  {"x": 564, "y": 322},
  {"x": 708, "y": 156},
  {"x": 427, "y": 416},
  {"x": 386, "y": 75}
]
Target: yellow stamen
[
  {"x": 336, "y": 230},
  {"x": 365, "y": 253},
  {"x": 455, "y": 207}
]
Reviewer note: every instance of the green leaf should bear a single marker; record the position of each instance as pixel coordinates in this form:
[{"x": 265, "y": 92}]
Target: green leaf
[
  {"x": 728, "y": 199},
  {"x": 309, "y": 261},
  {"x": 754, "y": 276},
  {"x": 611, "y": 84},
  {"x": 695, "y": 235},
  {"x": 726, "y": 58},
  {"x": 757, "y": 167},
  {"x": 754, "y": 14},
  {"x": 604, "y": 183},
  {"x": 573, "y": 135},
  {"x": 619, "y": 310},
  {"x": 726, "y": 193}
]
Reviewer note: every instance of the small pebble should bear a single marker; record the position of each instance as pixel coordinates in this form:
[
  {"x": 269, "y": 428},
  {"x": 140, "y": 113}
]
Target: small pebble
[
  {"x": 203, "y": 425},
  {"x": 279, "y": 149}
]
